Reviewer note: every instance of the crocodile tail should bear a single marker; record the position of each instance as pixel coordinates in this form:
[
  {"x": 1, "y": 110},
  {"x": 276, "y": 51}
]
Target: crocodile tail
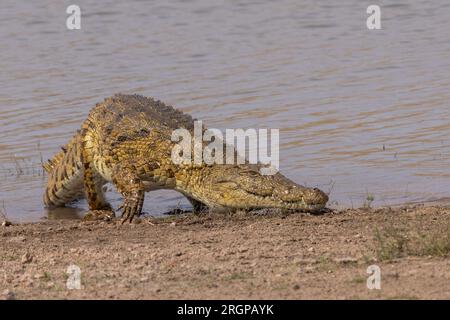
[
  {"x": 52, "y": 163},
  {"x": 65, "y": 175}
]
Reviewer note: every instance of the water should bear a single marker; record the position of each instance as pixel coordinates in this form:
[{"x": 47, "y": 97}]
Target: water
[{"x": 360, "y": 112}]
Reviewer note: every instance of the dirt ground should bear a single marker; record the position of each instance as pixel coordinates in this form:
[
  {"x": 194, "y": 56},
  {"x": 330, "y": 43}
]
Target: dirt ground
[{"x": 233, "y": 256}]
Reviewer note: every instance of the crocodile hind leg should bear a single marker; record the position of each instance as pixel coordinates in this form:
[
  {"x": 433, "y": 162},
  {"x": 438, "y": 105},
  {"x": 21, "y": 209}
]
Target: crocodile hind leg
[
  {"x": 130, "y": 186},
  {"x": 197, "y": 206}
]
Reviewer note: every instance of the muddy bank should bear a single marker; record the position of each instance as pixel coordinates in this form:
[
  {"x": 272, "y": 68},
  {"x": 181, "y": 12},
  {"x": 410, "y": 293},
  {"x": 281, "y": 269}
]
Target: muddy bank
[{"x": 239, "y": 256}]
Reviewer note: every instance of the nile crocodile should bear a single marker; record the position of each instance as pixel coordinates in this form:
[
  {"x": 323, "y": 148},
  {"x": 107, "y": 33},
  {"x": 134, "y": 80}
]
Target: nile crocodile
[{"x": 126, "y": 140}]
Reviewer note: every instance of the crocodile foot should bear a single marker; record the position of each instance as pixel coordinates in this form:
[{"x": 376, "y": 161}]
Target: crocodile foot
[
  {"x": 131, "y": 207},
  {"x": 99, "y": 215}
]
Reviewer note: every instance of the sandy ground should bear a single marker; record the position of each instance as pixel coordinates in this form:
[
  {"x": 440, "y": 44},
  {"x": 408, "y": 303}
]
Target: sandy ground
[{"x": 232, "y": 256}]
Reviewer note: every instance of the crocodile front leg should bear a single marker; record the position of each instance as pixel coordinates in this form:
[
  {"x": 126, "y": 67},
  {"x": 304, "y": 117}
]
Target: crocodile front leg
[
  {"x": 130, "y": 186},
  {"x": 99, "y": 208}
]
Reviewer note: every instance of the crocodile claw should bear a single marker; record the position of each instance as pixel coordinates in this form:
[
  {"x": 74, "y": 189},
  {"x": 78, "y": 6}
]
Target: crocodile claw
[{"x": 131, "y": 207}]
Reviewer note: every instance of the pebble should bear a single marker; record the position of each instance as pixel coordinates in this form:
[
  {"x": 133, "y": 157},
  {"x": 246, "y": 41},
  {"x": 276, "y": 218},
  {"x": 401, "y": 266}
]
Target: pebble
[
  {"x": 17, "y": 239},
  {"x": 8, "y": 295},
  {"x": 6, "y": 223},
  {"x": 309, "y": 269},
  {"x": 26, "y": 258},
  {"x": 8, "y": 278},
  {"x": 29, "y": 283}
]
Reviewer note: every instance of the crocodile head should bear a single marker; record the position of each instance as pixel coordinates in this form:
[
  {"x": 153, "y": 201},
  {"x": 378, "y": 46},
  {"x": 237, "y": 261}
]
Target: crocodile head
[{"x": 243, "y": 187}]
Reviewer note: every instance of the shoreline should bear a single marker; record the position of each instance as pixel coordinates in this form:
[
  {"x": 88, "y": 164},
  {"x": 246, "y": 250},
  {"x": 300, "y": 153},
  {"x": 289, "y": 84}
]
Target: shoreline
[{"x": 233, "y": 256}]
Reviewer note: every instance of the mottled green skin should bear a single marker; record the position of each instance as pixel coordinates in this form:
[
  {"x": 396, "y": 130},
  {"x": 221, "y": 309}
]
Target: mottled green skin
[{"x": 126, "y": 140}]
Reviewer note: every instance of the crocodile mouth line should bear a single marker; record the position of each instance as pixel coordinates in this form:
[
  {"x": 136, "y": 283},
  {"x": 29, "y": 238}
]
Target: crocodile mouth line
[{"x": 291, "y": 205}]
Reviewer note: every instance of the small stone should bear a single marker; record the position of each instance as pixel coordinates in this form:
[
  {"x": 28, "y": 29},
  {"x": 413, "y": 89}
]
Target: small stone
[
  {"x": 137, "y": 221},
  {"x": 17, "y": 239},
  {"x": 6, "y": 223},
  {"x": 311, "y": 249},
  {"x": 8, "y": 278},
  {"x": 29, "y": 283},
  {"x": 309, "y": 269},
  {"x": 8, "y": 295},
  {"x": 173, "y": 224},
  {"x": 26, "y": 258},
  {"x": 178, "y": 254}
]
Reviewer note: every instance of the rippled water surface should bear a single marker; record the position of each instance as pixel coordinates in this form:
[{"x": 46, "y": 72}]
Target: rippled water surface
[{"x": 361, "y": 112}]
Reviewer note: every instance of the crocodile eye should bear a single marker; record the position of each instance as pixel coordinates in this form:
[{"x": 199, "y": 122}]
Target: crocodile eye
[{"x": 250, "y": 173}]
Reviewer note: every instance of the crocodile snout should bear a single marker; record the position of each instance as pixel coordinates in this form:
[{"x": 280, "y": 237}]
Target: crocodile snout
[{"x": 295, "y": 193}]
